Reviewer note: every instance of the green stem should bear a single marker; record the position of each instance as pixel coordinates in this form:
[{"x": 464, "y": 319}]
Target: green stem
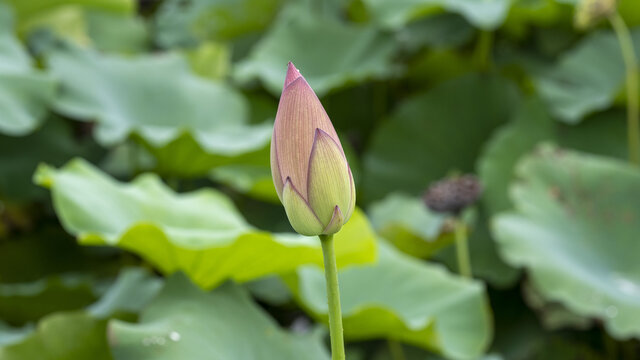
[
  {"x": 482, "y": 52},
  {"x": 395, "y": 348},
  {"x": 333, "y": 296},
  {"x": 631, "y": 64},
  {"x": 462, "y": 249}
]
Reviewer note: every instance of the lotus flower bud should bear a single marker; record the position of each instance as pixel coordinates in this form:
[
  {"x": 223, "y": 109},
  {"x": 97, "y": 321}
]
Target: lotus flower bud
[{"x": 310, "y": 171}]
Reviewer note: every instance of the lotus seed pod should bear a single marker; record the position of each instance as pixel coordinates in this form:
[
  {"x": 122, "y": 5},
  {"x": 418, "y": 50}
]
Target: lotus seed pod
[{"x": 589, "y": 12}]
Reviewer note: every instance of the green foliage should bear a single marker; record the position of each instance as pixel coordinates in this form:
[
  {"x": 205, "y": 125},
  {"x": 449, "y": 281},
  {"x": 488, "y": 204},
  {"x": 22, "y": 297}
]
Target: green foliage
[
  {"x": 24, "y": 91},
  {"x": 185, "y": 322},
  {"x": 586, "y": 79},
  {"x": 213, "y": 115},
  {"x": 574, "y": 229},
  {"x": 139, "y": 220},
  {"x": 184, "y": 23},
  {"x": 193, "y": 233},
  {"x": 436, "y": 132},
  {"x": 289, "y": 41},
  {"x": 404, "y": 299},
  {"x": 483, "y": 14}
]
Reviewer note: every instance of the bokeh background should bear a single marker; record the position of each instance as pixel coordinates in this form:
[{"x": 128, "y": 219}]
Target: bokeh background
[{"x": 138, "y": 219}]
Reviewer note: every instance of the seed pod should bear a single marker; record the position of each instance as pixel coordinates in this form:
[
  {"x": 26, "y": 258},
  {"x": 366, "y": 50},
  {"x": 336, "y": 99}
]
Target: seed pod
[
  {"x": 453, "y": 195},
  {"x": 590, "y": 12}
]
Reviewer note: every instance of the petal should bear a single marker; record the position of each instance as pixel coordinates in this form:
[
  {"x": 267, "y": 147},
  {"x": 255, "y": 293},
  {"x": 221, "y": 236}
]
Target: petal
[
  {"x": 300, "y": 113},
  {"x": 292, "y": 74},
  {"x": 275, "y": 167},
  {"x": 329, "y": 180},
  {"x": 352, "y": 200},
  {"x": 300, "y": 215},
  {"x": 336, "y": 222}
]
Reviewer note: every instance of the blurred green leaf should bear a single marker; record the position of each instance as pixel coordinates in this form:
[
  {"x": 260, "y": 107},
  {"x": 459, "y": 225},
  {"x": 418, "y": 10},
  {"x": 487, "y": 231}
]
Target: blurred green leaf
[
  {"x": 486, "y": 262},
  {"x": 200, "y": 233},
  {"x": 183, "y": 322},
  {"x": 585, "y": 79},
  {"x": 553, "y": 315},
  {"x": 435, "y": 132},
  {"x": 10, "y": 335},
  {"x": 105, "y": 31},
  {"x": 48, "y": 252},
  {"x": 210, "y": 60},
  {"x": 496, "y": 165},
  {"x": 487, "y": 15},
  {"x": 81, "y": 335},
  {"x": 603, "y": 133},
  {"x": 289, "y": 39},
  {"x": 25, "y": 92},
  {"x": 19, "y": 158},
  {"x": 526, "y": 16},
  {"x": 29, "y": 11},
  {"x": 130, "y": 293},
  {"x": 409, "y": 225},
  {"x": 62, "y": 336},
  {"x": 575, "y": 230},
  {"x": 405, "y": 299},
  {"x": 25, "y": 302},
  {"x": 253, "y": 180},
  {"x": 116, "y": 33},
  {"x": 176, "y": 113},
  {"x": 439, "y": 31},
  {"x": 187, "y": 22}
]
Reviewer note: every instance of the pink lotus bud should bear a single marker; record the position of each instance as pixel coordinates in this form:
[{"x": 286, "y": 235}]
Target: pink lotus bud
[{"x": 309, "y": 168}]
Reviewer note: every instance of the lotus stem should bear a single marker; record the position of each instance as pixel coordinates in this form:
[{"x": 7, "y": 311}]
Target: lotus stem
[
  {"x": 333, "y": 297},
  {"x": 462, "y": 249},
  {"x": 482, "y": 52},
  {"x": 631, "y": 64}
]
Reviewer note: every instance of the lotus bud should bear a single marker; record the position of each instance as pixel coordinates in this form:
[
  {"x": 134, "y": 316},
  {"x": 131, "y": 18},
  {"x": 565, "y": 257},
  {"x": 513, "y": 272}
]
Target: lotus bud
[
  {"x": 310, "y": 171},
  {"x": 589, "y": 12}
]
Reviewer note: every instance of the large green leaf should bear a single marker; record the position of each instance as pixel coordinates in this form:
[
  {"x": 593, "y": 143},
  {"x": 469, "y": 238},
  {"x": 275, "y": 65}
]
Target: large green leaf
[
  {"x": 603, "y": 134},
  {"x": 409, "y": 225},
  {"x": 585, "y": 79},
  {"x": 185, "y": 323},
  {"x": 180, "y": 23},
  {"x": 25, "y": 92},
  {"x": 435, "y": 132},
  {"x": 199, "y": 233},
  {"x": 488, "y": 14},
  {"x": 156, "y": 97},
  {"x": 575, "y": 230},
  {"x": 405, "y": 299},
  {"x": 289, "y": 40}
]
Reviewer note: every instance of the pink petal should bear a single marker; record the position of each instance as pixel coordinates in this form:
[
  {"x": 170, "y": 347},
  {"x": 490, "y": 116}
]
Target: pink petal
[
  {"x": 292, "y": 74},
  {"x": 300, "y": 113}
]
